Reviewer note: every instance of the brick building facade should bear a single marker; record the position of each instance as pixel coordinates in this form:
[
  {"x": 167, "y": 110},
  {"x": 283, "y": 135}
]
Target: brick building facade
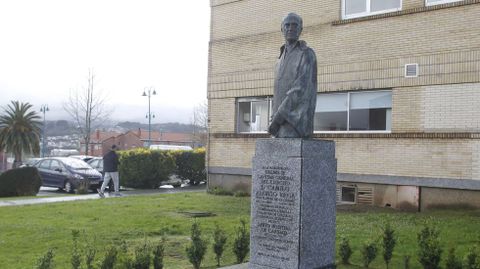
[
  {"x": 398, "y": 91},
  {"x": 101, "y": 142}
]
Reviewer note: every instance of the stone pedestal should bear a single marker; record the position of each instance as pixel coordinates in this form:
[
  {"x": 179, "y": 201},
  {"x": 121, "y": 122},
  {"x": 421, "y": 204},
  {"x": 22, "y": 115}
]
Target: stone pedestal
[{"x": 293, "y": 204}]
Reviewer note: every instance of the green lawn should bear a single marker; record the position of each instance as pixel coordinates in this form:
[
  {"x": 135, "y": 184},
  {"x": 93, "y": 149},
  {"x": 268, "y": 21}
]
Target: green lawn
[{"x": 26, "y": 232}]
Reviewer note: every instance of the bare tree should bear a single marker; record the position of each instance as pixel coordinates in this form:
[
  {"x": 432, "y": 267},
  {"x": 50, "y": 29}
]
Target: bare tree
[
  {"x": 87, "y": 108},
  {"x": 200, "y": 123}
]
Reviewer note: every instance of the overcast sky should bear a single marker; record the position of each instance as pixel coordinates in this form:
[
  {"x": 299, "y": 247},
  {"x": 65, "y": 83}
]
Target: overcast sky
[{"x": 48, "y": 46}]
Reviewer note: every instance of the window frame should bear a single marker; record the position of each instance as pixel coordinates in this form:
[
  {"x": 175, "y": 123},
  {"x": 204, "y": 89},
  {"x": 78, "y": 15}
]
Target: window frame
[
  {"x": 252, "y": 99},
  {"x": 427, "y": 4},
  {"x": 348, "y": 115},
  {"x": 368, "y": 12},
  {"x": 355, "y": 195}
]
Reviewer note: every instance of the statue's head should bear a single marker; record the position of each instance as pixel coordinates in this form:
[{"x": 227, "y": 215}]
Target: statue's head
[{"x": 292, "y": 26}]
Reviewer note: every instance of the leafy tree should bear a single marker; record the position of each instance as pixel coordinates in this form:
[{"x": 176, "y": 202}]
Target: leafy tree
[
  {"x": 430, "y": 251},
  {"x": 197, "y": 248},
  {"x": 220, "y": 239},
  {"x": 142, "y": 257},
  {"x": 452, "y": 261},
  {"x": 46, "y": 261},
  {"x": 389, "y": 242},
  {"x": 158, "y": 254},
  {"x": 241, "y": 244},
  {"x": 369, "y": 252},
  {"x": 76, "y": 255},
  {"x": 345, "y": 250},
  {"x": 472, "y": 260},
  {"x": 20, "y": 131}
]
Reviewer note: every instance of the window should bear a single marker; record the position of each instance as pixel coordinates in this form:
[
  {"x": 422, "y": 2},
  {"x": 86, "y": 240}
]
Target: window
[
  {"x": 348, "y": 194},
  {"x": 331, "y": 113},
  {"x": 253, "y": 114},
  {"x": 438, "y": 2},
  {"x": 361, "y": 8},
  {"x": 55, "y": 165},
  {"x": 356, "y": 111},
  {"x": 45, "y": 164}
]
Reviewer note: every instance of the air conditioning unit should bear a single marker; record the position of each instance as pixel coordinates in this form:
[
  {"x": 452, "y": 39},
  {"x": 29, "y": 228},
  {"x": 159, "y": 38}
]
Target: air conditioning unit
[{"x": 411, "y": 70}]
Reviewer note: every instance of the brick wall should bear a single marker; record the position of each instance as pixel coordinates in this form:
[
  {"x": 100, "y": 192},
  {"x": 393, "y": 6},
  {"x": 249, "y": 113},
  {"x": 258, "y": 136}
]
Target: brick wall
[
  {"x": 434, "y": 158},
  {"x": 357, "y": 54},
  {"x": 222, "y": 115},
  {"x": 228, "y": 152}
]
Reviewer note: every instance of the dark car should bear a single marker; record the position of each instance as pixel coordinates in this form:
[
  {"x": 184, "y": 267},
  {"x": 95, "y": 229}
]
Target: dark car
[{"x": 67, "y": 173}]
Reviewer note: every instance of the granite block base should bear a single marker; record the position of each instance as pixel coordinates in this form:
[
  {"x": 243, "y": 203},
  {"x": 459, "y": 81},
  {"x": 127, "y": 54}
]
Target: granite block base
[{"x": 293, "y": 204}]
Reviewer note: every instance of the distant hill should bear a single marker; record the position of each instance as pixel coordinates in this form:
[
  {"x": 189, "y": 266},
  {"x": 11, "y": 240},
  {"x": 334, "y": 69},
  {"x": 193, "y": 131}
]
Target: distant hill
[
  {"x": 64, "y": 127},
  {"x": 173, "y": 127},
  {"x": 59, "y": 128}
]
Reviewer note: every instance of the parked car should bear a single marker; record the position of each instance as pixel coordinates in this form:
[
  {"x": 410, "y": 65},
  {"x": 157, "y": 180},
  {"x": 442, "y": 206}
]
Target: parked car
[{"x": 67, "y": 173}]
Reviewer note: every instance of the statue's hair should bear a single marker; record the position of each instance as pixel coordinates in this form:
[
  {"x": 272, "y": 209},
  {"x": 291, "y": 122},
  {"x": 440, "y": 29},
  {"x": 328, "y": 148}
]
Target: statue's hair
[{"x": 291, "y": 14}]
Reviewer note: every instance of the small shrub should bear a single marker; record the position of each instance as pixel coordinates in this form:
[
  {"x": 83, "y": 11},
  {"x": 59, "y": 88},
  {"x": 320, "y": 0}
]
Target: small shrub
[
  {"x": 76, "y": 256},
  {"x": 124, "y": 259},
  {"x": 345, "y": 250},
  {"x": 46, "y": 261},
  {"x": 388, "y": 245},
  {"x": 110, "y": 258},
  {"x": 90, "y": 252},
  {"x": 219, "y": 241},
  {"x": 452, "y": 261},
  {"x": 369, "y": 253},
  {"x": 241, "y": 244},
  {"x": 158, "y": 253},
  {"x": 142, "y": 257},
  {"x": 219, "y": 191},
  {"x": 430, "y": 251},
  {"x": 472, "y": 261},
  {"x": 24, "y": 181},
  {"x": 197, "y": 248}
]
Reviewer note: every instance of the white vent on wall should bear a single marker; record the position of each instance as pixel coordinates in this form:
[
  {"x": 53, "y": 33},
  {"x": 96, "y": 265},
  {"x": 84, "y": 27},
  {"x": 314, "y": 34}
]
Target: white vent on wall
[{"x": 411, "y": 70}]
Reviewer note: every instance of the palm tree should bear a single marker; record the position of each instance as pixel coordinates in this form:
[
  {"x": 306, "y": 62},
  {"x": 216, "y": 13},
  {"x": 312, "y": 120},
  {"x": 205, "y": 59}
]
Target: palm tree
[{"x": 20, "y": 131}]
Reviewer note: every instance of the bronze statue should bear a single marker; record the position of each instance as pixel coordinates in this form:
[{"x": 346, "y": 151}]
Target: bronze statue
[{"x": 295, "y": 90}]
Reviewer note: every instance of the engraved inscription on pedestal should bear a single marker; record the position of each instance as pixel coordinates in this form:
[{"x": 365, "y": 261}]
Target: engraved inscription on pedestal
[
  {"x": 293, "y": 204},
  {"x": 275, "y": 222}
]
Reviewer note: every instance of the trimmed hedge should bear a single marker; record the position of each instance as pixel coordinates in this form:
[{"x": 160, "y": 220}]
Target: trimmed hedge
[
  {"x": 20, "y": 182},
  {"x": 143, "y": 168},
  {"x": 191, "y": 165}
]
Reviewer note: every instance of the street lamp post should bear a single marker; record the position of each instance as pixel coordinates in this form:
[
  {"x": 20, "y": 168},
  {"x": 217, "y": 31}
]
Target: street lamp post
[
  {"x": 150, "y": 91},
  {"x": 43, "y": 109}
]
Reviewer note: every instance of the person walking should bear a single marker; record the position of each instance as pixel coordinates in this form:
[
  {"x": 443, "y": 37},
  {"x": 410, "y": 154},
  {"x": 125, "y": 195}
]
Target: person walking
[{"x": 110, "y": 168}]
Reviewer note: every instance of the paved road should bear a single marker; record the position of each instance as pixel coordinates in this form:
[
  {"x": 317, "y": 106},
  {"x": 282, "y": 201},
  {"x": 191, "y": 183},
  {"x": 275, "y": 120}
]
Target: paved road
[{"x": 50, "y": 195}]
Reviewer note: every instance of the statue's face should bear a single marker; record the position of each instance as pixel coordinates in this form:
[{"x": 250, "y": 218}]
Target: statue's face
[{"x": 291, "y": 28}]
